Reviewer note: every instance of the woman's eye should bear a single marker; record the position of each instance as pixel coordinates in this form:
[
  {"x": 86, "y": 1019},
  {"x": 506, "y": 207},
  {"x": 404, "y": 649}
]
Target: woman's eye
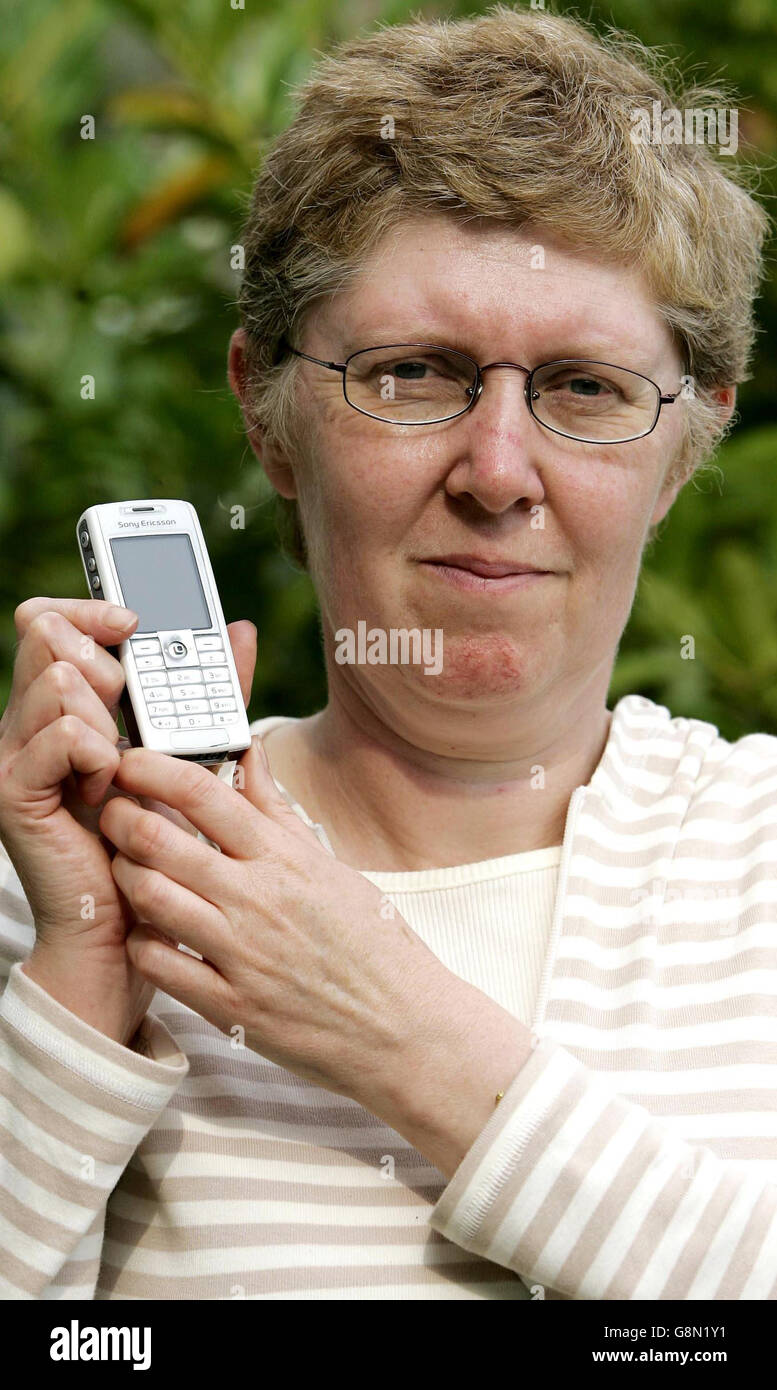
[
  {"x": 585, "y": 386},
  {"x": 410, "y": 371},
  {"x": 416, "y": 368}
]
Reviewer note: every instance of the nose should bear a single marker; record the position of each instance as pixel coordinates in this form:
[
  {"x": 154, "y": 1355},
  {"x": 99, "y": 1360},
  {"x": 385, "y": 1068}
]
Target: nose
[{"x": 497, "y": 446}]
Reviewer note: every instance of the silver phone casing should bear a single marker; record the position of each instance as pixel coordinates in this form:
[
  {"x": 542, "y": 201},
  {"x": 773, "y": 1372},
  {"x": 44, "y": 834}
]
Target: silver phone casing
[{"x": 169, "y": 516}]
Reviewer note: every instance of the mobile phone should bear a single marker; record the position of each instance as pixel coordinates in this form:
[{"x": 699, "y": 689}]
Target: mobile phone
[{"x": 181, "y": 693}]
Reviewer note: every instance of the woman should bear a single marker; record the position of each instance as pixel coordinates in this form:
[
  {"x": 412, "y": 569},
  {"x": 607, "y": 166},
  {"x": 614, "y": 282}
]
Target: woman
[{"x": 477, "y": 998}]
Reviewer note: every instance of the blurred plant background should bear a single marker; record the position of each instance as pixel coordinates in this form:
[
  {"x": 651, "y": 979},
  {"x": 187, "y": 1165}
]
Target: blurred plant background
[{"x": 115, "y": 263}]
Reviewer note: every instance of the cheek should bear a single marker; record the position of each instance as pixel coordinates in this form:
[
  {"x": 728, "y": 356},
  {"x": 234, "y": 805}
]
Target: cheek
[
  {"x": 604, "y": 511},
  {"x": 358, "y": 501}
]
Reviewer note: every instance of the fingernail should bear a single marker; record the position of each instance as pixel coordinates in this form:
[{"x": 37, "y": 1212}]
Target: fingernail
[{"x": 118, "y": 618}]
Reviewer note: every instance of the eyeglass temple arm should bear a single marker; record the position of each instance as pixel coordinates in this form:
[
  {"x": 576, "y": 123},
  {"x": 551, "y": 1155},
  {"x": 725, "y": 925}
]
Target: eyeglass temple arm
[{"x": 333, "y": 366}]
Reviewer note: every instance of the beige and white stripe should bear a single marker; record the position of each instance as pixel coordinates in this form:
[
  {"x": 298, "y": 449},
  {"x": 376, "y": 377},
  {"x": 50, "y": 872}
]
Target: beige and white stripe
[{"x": 634, "y": 1155}]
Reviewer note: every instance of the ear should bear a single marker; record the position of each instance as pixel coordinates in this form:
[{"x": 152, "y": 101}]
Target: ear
[
  {"x": 275, "y": 463},
  {"x": 726, "y": 396}
]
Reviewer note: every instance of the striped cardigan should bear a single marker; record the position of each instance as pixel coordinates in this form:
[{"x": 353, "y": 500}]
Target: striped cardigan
[{"x": 634, "y": 1155}]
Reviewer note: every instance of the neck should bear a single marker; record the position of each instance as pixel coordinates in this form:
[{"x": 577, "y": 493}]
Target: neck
[{"x": 390, "y": 802}]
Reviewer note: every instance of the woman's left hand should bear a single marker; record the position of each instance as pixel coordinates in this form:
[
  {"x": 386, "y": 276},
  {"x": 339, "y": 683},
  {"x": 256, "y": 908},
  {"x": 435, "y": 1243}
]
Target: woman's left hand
[{"x": 300, "y": 951}]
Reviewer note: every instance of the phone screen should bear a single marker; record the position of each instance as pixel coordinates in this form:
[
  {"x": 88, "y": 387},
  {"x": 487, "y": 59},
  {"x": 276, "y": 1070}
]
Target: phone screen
[{"x": 160, "y": 581}]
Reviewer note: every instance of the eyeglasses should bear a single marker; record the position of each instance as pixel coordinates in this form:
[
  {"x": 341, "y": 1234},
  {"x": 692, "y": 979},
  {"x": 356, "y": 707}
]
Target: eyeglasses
[{"x": 425, "y": 384}]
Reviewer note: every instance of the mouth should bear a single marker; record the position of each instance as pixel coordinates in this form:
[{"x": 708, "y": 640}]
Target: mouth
[{"x": 476, "y": 574}]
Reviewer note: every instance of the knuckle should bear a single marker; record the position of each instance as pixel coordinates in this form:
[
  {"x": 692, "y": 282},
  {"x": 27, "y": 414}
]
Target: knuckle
[
  {"x": 23, "y": 615},
  {"x": 44, "y": 626},
  {"x": 70, "y": 727},
  {"x": 200, "y": 792},
  {"x": 20, "y": 617},
  {"x": 63, "y": 677},
  {"x": 146, "y": 834}
]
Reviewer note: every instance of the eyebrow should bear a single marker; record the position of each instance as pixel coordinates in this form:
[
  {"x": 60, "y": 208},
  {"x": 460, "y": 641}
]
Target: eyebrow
[{"x": 359, "y": 339}]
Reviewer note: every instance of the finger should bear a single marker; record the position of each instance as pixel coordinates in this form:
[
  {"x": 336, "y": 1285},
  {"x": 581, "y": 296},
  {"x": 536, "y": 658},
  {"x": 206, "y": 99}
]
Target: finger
[
  {"x": 261, "y": 790},
  {"x": 214, "y": 808},
  {"x": 61, "y": 689},
  {"x": 68, "y": 745},
  {"x": 152, "y": 840},
  {"x": 217, "y": 811},
  {"x": 170, "y": 907},
  {"x": 242, "y": 639},
  {"x": 192, "y": 982},
  {"x": 87, "y": 614},
  {"x": 49, "y": 637}
]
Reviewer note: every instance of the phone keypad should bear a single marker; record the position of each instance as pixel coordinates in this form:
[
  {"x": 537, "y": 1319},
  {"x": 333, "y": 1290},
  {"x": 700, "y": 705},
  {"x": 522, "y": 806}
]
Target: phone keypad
[{"x": 197, "y": 696}]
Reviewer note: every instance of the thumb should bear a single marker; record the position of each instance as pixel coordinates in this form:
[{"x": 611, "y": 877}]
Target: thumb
[
  {"x": 242, "y": 639},
  {"x": 258, "y": 785}
]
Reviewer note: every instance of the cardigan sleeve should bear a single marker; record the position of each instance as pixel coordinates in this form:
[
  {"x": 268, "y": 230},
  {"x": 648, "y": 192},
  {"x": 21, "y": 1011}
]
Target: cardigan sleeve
[
  {"x": 575, "y": 1188},
  {"x": 74, "y": 1106}
]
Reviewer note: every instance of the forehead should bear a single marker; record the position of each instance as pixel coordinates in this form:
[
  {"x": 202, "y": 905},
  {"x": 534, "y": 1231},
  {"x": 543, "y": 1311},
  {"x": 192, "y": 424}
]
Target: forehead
[{"x": 483, "y": 278}]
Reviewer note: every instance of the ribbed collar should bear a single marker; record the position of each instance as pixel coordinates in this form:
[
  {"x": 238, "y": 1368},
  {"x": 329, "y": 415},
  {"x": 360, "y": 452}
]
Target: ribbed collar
[{"x": 648, "y": 755}]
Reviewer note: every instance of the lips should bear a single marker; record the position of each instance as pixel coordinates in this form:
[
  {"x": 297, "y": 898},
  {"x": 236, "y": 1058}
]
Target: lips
[{"x": 486, "y": 569}]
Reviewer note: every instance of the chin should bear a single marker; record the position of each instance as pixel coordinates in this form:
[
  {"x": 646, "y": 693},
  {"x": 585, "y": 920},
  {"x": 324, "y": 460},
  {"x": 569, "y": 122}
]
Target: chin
[{"x": 477, "y": 670}]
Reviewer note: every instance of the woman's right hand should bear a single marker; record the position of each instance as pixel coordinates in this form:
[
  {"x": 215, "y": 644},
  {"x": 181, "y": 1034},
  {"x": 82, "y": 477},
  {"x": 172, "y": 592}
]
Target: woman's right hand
[
  {"x": 59, "y": 752},
  {"x": 58, "y": 747}
]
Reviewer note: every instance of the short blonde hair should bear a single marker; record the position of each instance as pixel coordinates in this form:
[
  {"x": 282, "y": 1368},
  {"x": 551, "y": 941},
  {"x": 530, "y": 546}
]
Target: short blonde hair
[{"x": 519, "y": 116}]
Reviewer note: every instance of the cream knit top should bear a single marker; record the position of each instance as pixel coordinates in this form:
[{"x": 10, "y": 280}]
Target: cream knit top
[{"x": 634, "y": 1155}]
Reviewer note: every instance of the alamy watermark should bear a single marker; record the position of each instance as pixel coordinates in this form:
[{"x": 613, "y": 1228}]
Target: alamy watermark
[
  {"x": 709, "y": 125},
  {"x": 76, "y": 1343},
  {"x": 398, "y": 646}
]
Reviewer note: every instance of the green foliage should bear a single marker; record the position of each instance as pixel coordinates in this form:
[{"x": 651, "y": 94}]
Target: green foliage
[
  {"x": 712, "y": 576},
  {"x": 115, "y": 263}
]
